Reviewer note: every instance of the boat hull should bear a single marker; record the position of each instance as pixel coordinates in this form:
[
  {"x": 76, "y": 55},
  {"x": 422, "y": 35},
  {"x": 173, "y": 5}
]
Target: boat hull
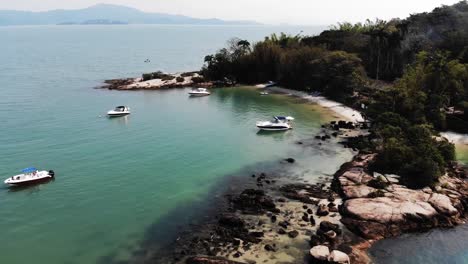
[
  {"x": 30, "y": 182},
  {"x": 273, "y": 128},
  {"x": 117, "y": 114},
  {"x": 30, "y": 179},
  {"x": 198, "y": 94}
]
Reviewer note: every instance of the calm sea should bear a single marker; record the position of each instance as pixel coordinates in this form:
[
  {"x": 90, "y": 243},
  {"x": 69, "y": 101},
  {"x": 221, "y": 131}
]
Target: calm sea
[
  {"x": 116, "y": 179},
  {"x": 119, "y": 180}
]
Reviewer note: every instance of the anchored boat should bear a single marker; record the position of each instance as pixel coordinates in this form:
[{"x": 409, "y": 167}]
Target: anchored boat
[
  {"x": 119, "y": 111},
  {"x": 30, "y": 176},
  {"x": 279, "y": 123},
  {"x": 199, "y": 92}
]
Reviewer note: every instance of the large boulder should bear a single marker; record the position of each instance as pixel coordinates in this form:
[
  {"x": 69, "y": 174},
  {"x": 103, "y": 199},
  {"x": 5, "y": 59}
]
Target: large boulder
[
  {"x": 337, "y": 256},
  {"x": 357, "y": 191},
  {"x": 442, "y": 204},
  {"x": 387, "y": 209},
  {"x": 320, "y": 252}
]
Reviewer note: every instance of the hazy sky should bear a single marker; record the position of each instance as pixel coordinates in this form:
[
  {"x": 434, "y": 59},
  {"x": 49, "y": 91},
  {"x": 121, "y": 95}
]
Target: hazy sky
[{"x": 322, "y": 12}]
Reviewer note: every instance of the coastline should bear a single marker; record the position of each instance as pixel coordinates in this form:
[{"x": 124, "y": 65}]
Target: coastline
[
  {"x": 263, "y": 221},
  {"x": 347, "y": 112}
]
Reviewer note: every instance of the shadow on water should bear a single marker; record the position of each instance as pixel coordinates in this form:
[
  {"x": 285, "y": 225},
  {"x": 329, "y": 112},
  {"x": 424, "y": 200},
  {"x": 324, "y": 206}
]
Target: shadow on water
[{"x": 186, "y": 221}]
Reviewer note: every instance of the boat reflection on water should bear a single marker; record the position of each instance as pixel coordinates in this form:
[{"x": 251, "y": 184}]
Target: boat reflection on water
[{"x": 124, "y": 120}]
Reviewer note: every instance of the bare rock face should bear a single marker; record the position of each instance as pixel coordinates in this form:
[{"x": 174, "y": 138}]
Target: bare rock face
[
  {"x": 337, "y": 256},
  {"x": 379, "y": 207},
  {"x": 357, "y": 191},
  {"x": 387, "y": 210},
  {"x": 320, "y": 253},
  {"x": 442, "y": 204}
]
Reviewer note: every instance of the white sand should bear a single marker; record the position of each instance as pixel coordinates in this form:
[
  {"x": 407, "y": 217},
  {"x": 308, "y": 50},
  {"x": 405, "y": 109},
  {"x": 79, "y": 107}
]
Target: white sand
[
  {"x": 155, "y": 83},
  {"x": 456, "y": 138},
  {"x": 342, "y": 110}
]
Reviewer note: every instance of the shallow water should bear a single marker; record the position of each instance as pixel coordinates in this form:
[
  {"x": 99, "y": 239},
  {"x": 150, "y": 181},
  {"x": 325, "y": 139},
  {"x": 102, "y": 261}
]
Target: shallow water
[{"x": 122, "y": 180}]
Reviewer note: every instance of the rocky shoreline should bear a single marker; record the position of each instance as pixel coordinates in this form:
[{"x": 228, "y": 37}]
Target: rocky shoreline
[
  {"x": 160, "y": 80},
  {"x": 335, "y": 221}
]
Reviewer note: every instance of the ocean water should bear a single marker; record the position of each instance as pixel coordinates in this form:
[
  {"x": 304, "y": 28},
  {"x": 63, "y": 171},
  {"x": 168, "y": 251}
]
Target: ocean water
[
  {"x": 439, "y": 246},
  {"x": 123, "y": 182},
  {"x": 118, "y": 180}
]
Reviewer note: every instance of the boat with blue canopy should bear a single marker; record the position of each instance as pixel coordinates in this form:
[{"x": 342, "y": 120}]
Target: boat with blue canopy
[{"x": 30, "y": 175}]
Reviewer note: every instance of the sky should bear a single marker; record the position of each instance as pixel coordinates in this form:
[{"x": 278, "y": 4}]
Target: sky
[{"x": 299, "y": 12}]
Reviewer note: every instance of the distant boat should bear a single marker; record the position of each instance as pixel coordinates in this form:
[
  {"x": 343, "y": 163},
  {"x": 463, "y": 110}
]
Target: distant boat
[
  {"x": 119, "y": 111},
  {"x": 30, "y": 176},
  {"x": 199, "y": 92},
  {"x": 270, "y": 84},
  {"x": 264, "y": 93},
  {"x": 279, "y": 123}
]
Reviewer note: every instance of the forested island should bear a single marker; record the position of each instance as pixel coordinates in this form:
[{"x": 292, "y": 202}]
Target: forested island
[{"x": 410, "y": 78}]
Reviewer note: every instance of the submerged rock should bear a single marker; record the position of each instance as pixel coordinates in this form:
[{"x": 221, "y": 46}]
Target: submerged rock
[
  {"x": 322, "y": 210},
  {"x": 293, "y": 234},
  {"x": 253, "y": 201}
]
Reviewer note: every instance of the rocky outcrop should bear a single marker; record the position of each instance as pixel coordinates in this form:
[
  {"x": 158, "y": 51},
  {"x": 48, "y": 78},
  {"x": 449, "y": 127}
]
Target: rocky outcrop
[
  {"x": 159, "y": 81},
  {"x": 379, "y": 207}
]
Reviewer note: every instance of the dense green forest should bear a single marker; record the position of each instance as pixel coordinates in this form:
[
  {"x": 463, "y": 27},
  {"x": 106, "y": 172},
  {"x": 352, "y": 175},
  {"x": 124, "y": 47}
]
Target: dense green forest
[{"x": 412, "y": 75}]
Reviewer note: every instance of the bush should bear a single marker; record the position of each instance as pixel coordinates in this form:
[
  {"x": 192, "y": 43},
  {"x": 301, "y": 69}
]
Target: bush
[
  {"x": 157, "y": 75},
  {"x": 378, "y": 184},
  {"x": 198, "y": 79},
  {"x": 187, "y": 74},
  {"x": 180, "y": 79}
]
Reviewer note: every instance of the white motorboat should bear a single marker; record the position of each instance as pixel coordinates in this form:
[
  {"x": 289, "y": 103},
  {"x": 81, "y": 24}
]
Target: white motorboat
[
  {"x": 119, "y": 111},
  {"x": 30, "y": 176},
  {"x": 279, "y": 123},
  {"x": 199, "y": 92},
  {"x": 264, "y": 93}
]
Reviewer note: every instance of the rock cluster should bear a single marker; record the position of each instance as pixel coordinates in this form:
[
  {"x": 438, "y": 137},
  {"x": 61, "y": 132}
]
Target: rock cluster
[{"x": 378, "y": 206}]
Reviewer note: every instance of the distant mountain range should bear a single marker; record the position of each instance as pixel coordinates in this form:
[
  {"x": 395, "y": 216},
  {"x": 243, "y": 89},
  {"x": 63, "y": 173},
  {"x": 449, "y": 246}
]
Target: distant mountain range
[{"x": 104, "y": 14}]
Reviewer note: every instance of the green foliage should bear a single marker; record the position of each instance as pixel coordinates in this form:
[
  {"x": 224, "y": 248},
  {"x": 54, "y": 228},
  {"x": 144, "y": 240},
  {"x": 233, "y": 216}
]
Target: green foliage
[
  {"x": 287, "y": 60},
  {"x": 187, "y": 74},
  {"x": 157, "y": 75},
  {"x": 180, "y": 79},
  {"x": 410, "y": 150},
  {"x": 198, "y": 79}
]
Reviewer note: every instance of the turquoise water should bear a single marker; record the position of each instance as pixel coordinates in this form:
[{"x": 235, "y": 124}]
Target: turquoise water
[{"x": 119, "y": 178}]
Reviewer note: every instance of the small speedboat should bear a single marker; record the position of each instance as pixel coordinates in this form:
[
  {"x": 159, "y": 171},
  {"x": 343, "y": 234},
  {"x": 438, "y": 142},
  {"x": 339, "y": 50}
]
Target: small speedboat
[
  {"x": 199, "y": 92},
  {"x": 264, "y": 93},
  {"x": 119, "y": 111},
  {"x": 270, "y": 84},
  {"x": 30, "y": 176},
  {"x": 279, "y": 123}
]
